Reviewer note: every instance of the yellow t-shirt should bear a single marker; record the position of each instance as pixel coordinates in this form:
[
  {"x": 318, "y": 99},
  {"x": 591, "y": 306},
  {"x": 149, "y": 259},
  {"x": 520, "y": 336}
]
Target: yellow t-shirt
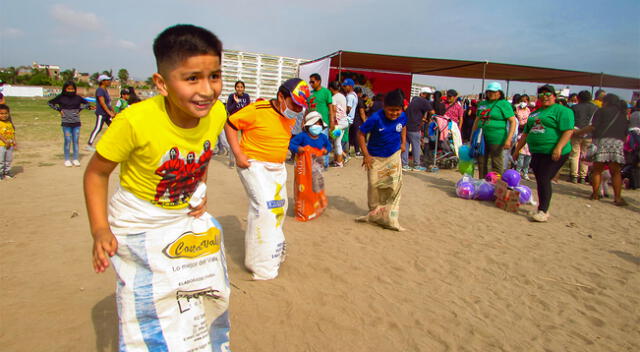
[
  {"x": 265, "y": 132},
  {"x": 7, "y": 132},
  {"x": 159, "y": 161}
]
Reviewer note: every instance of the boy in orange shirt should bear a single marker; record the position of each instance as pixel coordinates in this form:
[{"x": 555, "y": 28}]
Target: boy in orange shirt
[{"x": 266, "y": 131}]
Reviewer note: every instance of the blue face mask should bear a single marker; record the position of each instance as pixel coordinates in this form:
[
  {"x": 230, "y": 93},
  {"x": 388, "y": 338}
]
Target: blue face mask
[{"x": 315, "y": 130}]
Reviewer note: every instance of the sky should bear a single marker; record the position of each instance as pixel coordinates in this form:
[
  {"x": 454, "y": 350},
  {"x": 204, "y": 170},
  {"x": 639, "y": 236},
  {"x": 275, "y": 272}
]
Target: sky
[{"x": 596, "y": 36}]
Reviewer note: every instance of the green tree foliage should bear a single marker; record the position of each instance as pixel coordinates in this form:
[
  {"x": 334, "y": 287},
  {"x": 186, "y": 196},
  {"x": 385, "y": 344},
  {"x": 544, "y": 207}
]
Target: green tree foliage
[
  {"x": 9, "y": 75},
  {"x": 94, "y": 78},
  {"x": 123, "y": 76},
  {"x": 67, "y": 75}
]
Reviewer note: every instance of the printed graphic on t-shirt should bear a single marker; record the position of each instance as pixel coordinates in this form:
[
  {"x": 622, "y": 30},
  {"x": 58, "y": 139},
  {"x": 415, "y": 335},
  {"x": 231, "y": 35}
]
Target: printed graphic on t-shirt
[
  {"x": 537, "y": 126},
  {"x": 399, "y": 127},
  {"x": 180, "y": 176},
  {"x": 484, "y": 113}
]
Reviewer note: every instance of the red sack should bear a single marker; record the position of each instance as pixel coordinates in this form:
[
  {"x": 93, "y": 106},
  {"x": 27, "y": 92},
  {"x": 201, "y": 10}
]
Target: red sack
[{"x": 308, "y": 185}]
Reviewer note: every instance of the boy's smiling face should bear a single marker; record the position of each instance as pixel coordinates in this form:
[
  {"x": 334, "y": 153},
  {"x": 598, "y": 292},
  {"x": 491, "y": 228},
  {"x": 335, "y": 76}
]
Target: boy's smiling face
[{"x": 191, "y": 88}]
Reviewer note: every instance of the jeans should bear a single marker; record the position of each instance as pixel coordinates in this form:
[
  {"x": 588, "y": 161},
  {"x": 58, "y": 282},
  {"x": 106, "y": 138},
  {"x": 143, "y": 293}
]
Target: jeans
[
  {"x": 6, "y": 157},
  {"x": 71, "y": 136},
  {"x": 545, "y": 168},
  {"x": 413, "y": 140},
  {"x": 523, "y": 164},
  {"x": 578, "y": 167}
]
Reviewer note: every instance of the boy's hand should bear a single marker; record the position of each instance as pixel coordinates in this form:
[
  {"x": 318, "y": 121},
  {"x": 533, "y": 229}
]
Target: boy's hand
[
  {"x": 197, "y": 212},
  {"x": 242, "y": 161},
  {"x": 300, "y": 150},
  {"x": 105, "y": 245},
  {"x": 367, "y": 162}
]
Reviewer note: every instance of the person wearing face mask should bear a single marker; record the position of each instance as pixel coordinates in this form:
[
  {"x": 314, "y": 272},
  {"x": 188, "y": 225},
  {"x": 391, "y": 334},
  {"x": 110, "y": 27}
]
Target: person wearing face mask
[
  {"x": 69, "y": 104},
  {"x": 260, "y": 155},
  {"x": 547, "y": 132},
  {"x": 310, "y": 146}
]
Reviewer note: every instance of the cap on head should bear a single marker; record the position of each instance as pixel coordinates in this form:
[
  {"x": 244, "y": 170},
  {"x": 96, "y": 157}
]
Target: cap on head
[
  {"x": 124, "y": 91},
  {"x": 547, "y": 88},
  {"x": 426, "y": 90},
  {"x": 312, "y": 118},
  {"x": 299, "y": 90},
  {"x": 348, "y": 82},
  {"x": 494, "y": 87},
  {"x": 104, "y": 78}
]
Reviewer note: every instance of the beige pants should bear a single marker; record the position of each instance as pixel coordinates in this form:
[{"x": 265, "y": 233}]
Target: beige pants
[
  {"x": 578, "y": 167},
  {"x": 385, "y": 183}
]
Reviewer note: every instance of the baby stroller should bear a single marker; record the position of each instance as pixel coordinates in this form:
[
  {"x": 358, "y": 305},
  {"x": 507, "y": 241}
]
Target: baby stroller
[{"x": 445, "y": 136}]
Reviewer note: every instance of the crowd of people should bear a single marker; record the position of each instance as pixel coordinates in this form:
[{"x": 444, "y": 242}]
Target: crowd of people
[{"x": 156, "y": 222}]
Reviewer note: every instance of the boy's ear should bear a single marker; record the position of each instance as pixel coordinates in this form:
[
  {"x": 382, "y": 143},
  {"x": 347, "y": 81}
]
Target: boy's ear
[{"x": 160, "y": 83}]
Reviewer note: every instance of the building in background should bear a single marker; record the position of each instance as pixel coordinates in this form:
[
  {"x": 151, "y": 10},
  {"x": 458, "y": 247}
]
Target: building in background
[{"x": 262, "y": 74}]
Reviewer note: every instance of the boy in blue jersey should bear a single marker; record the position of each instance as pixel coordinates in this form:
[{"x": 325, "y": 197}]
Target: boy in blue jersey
[{"x": 387, "y": 137}]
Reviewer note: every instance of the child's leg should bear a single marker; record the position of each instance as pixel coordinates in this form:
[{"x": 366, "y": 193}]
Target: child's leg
[
  {"x": 100, "y": 119},
  {"x": 3, "y": 152},
  {"x": 604, "y": 183},
  {"x": 66, "y": 132},
  {"x": 8, "y": 158},
  {"x": 75, "y": 134},
  {"x": 520, "y": 163},
  {"x": 337, "y": 147},
  {"x": 525, "y": 164}
]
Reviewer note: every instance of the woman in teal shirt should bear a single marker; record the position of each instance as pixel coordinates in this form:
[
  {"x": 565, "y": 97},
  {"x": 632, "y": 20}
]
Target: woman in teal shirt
[
  {"x": 492, "y": 116},
  {"x": 547, "y": 132}
]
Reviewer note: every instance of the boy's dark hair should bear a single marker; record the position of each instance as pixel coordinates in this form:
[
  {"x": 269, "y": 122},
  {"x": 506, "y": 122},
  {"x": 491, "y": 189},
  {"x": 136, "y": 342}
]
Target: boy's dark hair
[
  {"x": 316, "y": 76},
  {"x": 584, "y": 96},
  {"x": 182, "y": 41},
  {"x": 573, "y": 95},
  {"x": 69, "y": 84},
  {"x": 284, "y": 91}
]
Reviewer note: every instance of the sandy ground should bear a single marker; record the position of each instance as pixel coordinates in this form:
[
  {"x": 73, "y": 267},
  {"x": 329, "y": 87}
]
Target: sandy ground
[{"x": 466, "y": 276}]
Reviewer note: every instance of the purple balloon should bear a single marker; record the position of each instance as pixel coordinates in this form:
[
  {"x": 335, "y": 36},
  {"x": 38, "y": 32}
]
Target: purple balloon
[
  {"x": 511, "y": 177},
  {"x": 465, "y": 190},
  {"x": 525, "y": 194},
  {"x": 485, "y": 191}
]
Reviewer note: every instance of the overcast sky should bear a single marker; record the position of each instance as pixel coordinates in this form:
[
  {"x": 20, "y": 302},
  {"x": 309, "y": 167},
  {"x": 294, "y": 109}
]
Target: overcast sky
[{"x": 596, "y": 36}]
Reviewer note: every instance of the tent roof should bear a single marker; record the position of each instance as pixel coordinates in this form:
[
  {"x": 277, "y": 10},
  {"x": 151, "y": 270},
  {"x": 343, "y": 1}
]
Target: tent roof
[{"x": 474, "y": 69}]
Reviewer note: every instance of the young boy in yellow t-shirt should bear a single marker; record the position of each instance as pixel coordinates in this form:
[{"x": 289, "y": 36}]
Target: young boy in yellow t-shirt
[
  {"x": 266, "y": 131},
  {"x": 167, "y": 251}
]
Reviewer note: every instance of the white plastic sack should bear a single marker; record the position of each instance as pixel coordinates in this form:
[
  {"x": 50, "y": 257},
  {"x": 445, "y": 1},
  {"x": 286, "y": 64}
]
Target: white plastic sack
[
  {"x": 265, "y": 184},
  {"x": 172, "y": 287}
]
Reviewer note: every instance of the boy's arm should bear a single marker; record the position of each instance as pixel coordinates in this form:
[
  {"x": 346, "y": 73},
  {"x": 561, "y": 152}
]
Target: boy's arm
[
  {"x": 96, "y": 184},
  {"x": 367, "y": 161},
  {"x": 232, "y": 138},
  {"x": 403, "y": 139}
]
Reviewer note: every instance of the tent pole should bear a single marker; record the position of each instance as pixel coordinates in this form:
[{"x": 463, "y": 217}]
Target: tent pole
[
  {"x": 340, "y": 67},
  {"x": 484, "y": 73},
  {"x": 591, "y": 90},
  {"x": 508, "y": 88},
  {"x": 601, "y": 79}
]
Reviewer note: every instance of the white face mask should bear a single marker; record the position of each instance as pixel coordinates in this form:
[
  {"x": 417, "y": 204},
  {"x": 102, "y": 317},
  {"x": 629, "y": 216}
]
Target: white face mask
[
  {"x": 290, "y": 114},
  {"x": 523, "y": 105}
]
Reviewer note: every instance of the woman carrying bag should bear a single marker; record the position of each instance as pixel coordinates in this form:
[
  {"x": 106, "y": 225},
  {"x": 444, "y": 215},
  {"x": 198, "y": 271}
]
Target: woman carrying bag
[
  {"x": 493, "y": 114},
  {"x": 609, "y": 127}
]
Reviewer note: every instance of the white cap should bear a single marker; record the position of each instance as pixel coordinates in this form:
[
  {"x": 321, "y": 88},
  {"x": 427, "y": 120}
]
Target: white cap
[
  {"x": 426, "y": 90},
  {"x": 312, "y": 118},
  {"x": 104, "y": 78}
]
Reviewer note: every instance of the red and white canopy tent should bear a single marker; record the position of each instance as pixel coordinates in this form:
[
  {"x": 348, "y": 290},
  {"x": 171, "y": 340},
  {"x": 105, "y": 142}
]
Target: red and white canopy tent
[{"x": 387, "y": 72}]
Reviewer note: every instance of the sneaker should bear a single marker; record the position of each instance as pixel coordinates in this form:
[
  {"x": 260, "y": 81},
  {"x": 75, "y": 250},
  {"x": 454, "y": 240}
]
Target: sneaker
[
  {"x": 526, "y": 177},
  {"x": 68, "y": 163},
  {"x": 90, "y": 148},
  {"x": 8, "y": 177},
  {"x": 406, "y": 168},
  {"x": 574, "y": 179},
  {"x": 540, "y": 216},
  {"x": 581, "y": 181},
  {"x": 420, "y": 168},
  {"x": 76, "y": 162},
  {"x": 336, "y": 164}
]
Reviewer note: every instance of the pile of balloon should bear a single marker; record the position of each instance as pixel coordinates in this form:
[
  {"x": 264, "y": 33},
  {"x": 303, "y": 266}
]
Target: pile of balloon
[{"x": 469, "y": 188}]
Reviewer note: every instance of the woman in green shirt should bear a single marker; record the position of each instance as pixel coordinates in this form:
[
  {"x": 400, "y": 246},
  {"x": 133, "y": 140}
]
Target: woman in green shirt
[
  {"x": 492, "y": 116},
  {"x": 547, "y": 132}
]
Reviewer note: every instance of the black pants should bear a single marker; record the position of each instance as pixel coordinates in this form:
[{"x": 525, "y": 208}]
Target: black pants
[
  {"x": 100, "y": 120},
  {"x": 353, "y": 135},
  {"x": 544, "y": 168}
]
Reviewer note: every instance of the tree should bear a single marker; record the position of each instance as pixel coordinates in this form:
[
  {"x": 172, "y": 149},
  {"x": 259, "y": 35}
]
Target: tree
[
  {"x": 9, "y": 75},
  {"x": 123, "y": 76},
  {"x": 67, "y": 75},
  {"x": 39, "y": 78},
  {"x": 94, "y": 78},
  {"x": 108, "y": 73}
]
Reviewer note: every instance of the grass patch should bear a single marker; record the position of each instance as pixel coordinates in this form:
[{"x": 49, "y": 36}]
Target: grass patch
[{"x": 42, "y": 163}]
